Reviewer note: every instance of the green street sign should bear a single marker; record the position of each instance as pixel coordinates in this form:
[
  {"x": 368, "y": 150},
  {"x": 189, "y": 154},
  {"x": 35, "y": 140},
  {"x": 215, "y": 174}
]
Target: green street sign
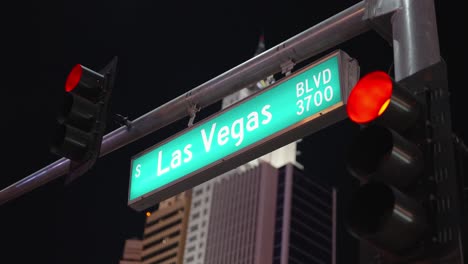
[{"x": 288, "y": 110}]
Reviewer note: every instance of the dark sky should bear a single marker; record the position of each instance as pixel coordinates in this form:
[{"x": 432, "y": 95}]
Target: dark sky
[{"x": 164, "y": 49}]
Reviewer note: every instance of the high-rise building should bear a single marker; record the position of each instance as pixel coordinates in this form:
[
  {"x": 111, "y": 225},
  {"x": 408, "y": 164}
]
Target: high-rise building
[
  {"x": 164, "y": 234},
  {"x": 260, "y": 214},
  {"x": 132, "y": 252},
  {"x": 232, "y": 217},
  {"x": 165, "y": 231},
  {"x": 305, "y": 227}
]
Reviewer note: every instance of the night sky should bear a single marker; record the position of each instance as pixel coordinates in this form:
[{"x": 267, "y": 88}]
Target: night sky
[{"x": 165, "y": 49}]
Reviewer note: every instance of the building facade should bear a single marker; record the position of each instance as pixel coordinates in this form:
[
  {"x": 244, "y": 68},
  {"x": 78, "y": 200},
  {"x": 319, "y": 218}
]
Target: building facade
[
  {"x": 164, "y": 234},
  {"x": 305, "y": 223},
  {"x": 132, "y": 252},
  {"x": 232, "y": 217},
  {"x": 260, "y": 214}
]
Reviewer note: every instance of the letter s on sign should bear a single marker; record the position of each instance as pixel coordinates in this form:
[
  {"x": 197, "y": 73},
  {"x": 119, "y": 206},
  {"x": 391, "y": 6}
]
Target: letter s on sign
[{"x": 138, "y": 171}]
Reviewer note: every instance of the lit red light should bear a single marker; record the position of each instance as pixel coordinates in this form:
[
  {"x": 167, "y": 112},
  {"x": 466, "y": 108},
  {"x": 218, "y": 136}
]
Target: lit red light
[
  {"x": 370, "y": 97},
  {"x": 73, "y": 78}
]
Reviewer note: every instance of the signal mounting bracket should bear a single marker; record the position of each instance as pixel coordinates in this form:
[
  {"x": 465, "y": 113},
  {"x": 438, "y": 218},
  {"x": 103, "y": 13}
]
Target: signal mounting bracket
[
  {"x": 192, "y": 108},
  {"x": 287, "y": 66}
]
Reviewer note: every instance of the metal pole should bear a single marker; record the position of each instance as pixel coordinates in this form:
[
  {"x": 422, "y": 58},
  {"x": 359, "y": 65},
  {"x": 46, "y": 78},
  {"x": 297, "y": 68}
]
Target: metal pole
[
  {"x": 325, "y": 35},
  {"x": 416, "y": 47},
  {"x": 415, "y": 37}
]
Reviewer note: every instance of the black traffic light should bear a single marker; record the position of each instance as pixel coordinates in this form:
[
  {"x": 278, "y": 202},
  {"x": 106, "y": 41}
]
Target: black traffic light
[
  {"x": 82, "y": 119},
  {"x": 399, "y": 154}
]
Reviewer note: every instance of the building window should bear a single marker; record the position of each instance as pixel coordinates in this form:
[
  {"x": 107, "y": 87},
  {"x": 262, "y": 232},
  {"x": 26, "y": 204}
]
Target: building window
[
  {"x": 198, "y": 192},
  {"x": 194, "y": 228},
  {"x": 196, "y": 216},
  {"x": 190, "y": 249}
]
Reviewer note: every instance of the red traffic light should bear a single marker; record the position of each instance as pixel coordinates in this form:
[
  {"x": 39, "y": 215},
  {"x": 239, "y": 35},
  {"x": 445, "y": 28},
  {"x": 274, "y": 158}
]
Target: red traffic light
[
  {"x": 82, "y": 119},
  {"x": 73, "y": 78},
  {"x": 370, "y": 97},
  {"x": 85, "y": 82}
]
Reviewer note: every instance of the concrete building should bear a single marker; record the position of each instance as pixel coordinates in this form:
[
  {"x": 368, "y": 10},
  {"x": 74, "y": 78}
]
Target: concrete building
[
  {"x": 305, "y": 227},
  {"x": 132, "y": 252},
  {"x": 232, "y": 217},
  {"x": 165, "y": 230},
  {"x": 164, "y": 234},
  {"x": 261, "y": 214}
]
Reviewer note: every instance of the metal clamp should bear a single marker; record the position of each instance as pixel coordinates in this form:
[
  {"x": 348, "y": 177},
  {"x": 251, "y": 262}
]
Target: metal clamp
[
  {"x": 123, "y": 120},
  {"x": 192, "y": 109},
  {"x": 287, "y": 66}
]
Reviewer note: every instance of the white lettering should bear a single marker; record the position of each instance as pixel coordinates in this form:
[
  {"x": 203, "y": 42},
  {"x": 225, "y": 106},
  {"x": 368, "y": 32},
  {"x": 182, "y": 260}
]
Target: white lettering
[
  {"x": 326, "y": 76},
  {"x": 239, "y": 134},
  {"x": 307, "y": 86},
  {"x": 299, "y": 89},
  {"x": 300, "y": 105},
  {"x": 138, "y": 172},
  {"x": 267, "y": 114},
  {"x": 161, "y": 171},
  {"x": 188, "y": 153},
  {"x": 207, "y": 142},
  {"x": 330, "y": 93},
  {"x": 176, "y": 159},
  {"x": 317, "y": 80},
  {"x": 223, "y": 135},
  {"x": 252, "y": 122},
  {"x": 318, "y": 98}
]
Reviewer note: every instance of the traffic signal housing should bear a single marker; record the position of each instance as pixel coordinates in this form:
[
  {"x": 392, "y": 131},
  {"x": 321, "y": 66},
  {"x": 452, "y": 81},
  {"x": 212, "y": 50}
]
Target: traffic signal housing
[
  {"x": 386, "y": 111},
  {"x": 81, "y": 121},
  {"x": 399, "y": 155}
]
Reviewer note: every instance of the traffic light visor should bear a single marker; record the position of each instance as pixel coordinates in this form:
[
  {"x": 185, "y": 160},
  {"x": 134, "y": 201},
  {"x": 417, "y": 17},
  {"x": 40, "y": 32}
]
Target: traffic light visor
[
  {"x": 370, "y": 97},
  {"x": 73, "y": 78}
]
